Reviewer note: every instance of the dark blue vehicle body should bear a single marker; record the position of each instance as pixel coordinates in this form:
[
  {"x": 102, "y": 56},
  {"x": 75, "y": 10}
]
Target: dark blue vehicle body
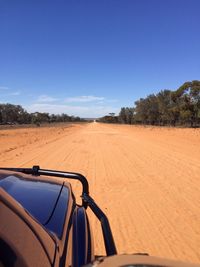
[{"x": 52, "y": 205}]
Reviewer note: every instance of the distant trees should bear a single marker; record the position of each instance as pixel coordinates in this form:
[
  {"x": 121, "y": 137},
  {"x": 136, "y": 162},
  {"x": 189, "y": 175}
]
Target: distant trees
[
  {"x": 15, "y": 114},
  {"x": 169, "y": 107},
  {"x": 108, "y": 119},
  {"x": 187, "y": 100},
  {"x": 126, "y": 115},
  {"x": 179, "y": 107}
]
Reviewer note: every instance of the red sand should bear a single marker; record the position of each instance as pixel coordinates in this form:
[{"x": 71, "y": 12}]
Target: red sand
[{"x": 147, "y": 180}]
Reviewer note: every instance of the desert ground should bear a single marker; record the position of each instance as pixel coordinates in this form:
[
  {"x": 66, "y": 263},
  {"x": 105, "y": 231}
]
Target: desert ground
[{"x": 146, "y": 179}]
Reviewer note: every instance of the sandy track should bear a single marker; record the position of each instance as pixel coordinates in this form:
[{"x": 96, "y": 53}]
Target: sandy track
[{"x": 147, "y": 180}]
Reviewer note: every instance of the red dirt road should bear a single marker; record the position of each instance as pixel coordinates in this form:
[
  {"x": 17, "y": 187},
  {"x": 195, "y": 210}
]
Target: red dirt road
[{"x": 147, "y": 180}]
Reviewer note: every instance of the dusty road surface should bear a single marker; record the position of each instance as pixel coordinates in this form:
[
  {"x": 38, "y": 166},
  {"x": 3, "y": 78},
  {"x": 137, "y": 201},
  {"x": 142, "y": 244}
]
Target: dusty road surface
[{"x": 147, "y": 180}]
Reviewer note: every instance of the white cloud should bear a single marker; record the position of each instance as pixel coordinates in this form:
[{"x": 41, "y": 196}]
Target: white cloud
[
  {"x": 84, "y": 98},
  {"x": 46, "y": 98},
  {"x": 4, "y": 88},
  {"x": 81, "y": 111},
  {"x": 112, "y": 100},
  {"x": 55, "y": 108},
  {"x": 15, "y": 93},
  {"x": 4, "y": 91}
]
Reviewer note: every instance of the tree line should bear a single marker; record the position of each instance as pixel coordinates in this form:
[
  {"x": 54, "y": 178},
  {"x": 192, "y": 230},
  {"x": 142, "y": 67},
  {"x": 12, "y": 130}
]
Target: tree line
[
  {"x": 16, "y": 114},
  {"x": 167, "y": 107}
]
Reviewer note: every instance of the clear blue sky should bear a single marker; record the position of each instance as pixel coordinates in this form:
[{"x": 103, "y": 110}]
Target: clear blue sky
[{"x": 91, "y": 57}]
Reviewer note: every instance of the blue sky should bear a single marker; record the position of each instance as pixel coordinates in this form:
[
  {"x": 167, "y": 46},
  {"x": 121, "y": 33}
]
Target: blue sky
[{"x": 91, "y": 57}]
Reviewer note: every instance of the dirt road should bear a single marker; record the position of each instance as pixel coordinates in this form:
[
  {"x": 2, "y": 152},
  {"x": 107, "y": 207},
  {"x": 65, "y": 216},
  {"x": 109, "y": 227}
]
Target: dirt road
[{"x": 147, "y": 180}]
